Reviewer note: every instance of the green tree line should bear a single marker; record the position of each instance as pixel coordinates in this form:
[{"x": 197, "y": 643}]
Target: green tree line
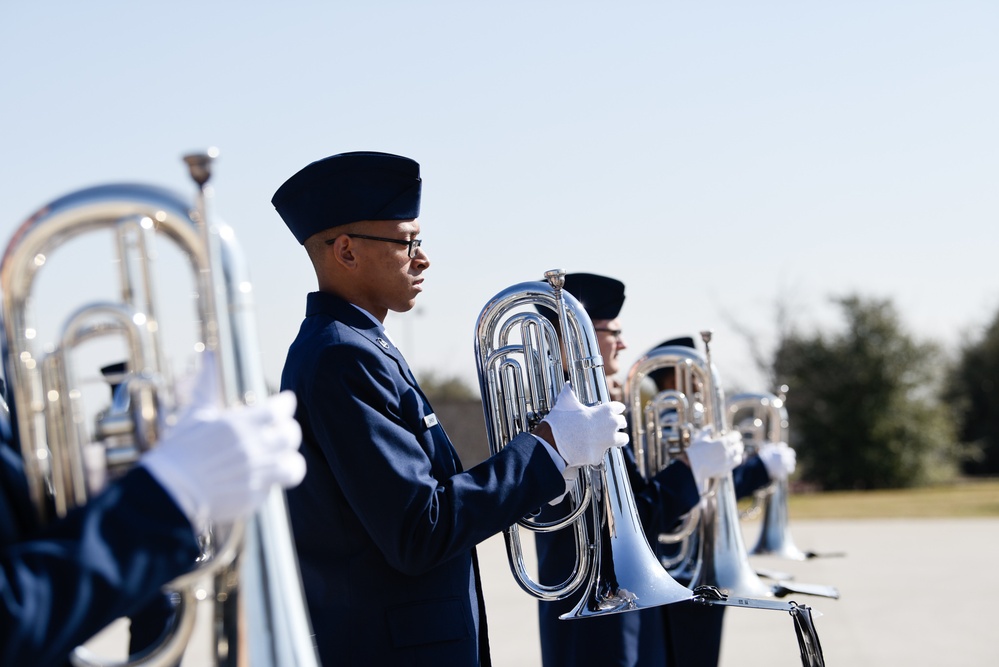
[{"x": 870, "y": 406}]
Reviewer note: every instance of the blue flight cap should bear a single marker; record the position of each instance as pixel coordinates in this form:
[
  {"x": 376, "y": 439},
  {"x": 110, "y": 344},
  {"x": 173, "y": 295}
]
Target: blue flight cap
[
  {"x": 602, "y": 297},
  {"x": 683, "y": 341},
  {"x": 349, "y": 187},
  {"x": 659, "y": 375},
  {"x": 115, "y": 374}
]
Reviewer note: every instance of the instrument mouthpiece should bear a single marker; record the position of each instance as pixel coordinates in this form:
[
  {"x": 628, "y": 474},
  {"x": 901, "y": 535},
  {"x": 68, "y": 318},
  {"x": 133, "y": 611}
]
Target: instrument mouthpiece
[
  {"x": 200, "y": 165},
  {"x": 556, "y": 278}
]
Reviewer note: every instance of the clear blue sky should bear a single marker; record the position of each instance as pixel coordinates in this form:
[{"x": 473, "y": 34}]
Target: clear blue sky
[{"x": 718, "y": 157}]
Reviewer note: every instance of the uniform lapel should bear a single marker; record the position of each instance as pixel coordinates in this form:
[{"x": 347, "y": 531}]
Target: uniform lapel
[
  {"x": 385, "y": 345},
  {"x": 382, "y": 342},
  {"x": 365, "y": 326}
]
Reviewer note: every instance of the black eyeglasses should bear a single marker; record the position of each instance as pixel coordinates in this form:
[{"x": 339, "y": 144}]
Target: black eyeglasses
[
  {"x": 616, "y": 333},
  {"x": 411, "y": 246}
]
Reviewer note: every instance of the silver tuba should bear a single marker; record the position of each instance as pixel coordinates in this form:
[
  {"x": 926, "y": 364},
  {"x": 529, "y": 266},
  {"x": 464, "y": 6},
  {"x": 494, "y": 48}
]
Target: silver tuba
[
  {"x": 247, "y": 579},
  {"x": 714, "y": 554},
  {"x": 521, "y": 371},
  {"x": 762, "y": 417}
]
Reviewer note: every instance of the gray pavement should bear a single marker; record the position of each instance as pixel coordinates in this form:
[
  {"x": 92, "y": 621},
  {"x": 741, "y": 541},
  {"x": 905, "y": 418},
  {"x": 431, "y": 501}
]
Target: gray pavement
[
  {"x": 918, "y": 593},
  {"x": 913, "y": 592}
]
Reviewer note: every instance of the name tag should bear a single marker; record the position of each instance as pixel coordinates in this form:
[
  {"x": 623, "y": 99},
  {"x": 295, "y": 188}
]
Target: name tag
[{"x": 430, "y": 420}]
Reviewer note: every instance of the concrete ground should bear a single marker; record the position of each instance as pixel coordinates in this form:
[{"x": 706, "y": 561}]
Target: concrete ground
[
  {"x": 918, "y": 593},
  {"x": 913, "y": 592}
]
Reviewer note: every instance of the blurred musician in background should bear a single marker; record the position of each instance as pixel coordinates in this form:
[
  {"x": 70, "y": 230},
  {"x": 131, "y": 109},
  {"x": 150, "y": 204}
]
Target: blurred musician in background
[
  {"x": 61, "y": 583},
  {"x": 386, "y": 520},
  {"x": 773, "y": 460},
  {"x": 614, "y": 640},
  {"x": 690, "y": 634}
]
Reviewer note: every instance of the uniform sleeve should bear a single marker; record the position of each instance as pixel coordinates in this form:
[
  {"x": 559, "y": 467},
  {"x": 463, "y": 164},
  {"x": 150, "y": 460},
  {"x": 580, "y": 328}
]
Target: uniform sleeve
[
  {"x": 369, "y": 427},
  {"x": 750, "y": 476},
  {"x": 63, "y": 584}
]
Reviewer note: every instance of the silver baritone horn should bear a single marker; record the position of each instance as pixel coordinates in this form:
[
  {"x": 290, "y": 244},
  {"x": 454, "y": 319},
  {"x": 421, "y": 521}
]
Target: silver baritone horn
[
  {"x": 762, "y": 417},
  {"x": 521, "y": 372},
  {"x": 712, "y": 552},
  {"x": 247, "y": 579},
  {"x": 712, "y": 555}
]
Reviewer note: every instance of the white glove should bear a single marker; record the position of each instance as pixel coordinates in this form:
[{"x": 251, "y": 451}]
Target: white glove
[
  {"x": 778, "y": 458},
  {"x": 584, "y": 434},
  {"x": 219, "y": 465},
  {"x": 713, "y": 456}
]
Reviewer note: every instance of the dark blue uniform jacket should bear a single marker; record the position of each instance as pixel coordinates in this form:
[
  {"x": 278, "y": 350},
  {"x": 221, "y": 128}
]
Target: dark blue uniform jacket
[
  {"x": 385, "y": 521},
  {"x": 606, "y": 641}
]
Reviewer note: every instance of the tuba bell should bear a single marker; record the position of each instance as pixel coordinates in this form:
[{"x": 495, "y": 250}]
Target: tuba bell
[
  {"x": 247, "y": 579},
  {"x": 521, "y": 371}
]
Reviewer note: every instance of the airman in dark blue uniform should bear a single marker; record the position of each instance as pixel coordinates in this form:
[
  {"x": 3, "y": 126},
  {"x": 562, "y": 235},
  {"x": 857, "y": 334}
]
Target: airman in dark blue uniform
[
  {"x": 616, "y": 639},
  {"x": 690, "y": 634},
  {"x": 386, "y": 520}
]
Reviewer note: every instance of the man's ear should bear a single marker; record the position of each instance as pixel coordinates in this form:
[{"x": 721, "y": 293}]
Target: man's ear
[{"x": 343, "y": 252}]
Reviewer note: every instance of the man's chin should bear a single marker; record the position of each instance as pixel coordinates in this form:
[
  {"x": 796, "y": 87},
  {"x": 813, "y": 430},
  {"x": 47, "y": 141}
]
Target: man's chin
[{"x": 404, "y": 308}]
